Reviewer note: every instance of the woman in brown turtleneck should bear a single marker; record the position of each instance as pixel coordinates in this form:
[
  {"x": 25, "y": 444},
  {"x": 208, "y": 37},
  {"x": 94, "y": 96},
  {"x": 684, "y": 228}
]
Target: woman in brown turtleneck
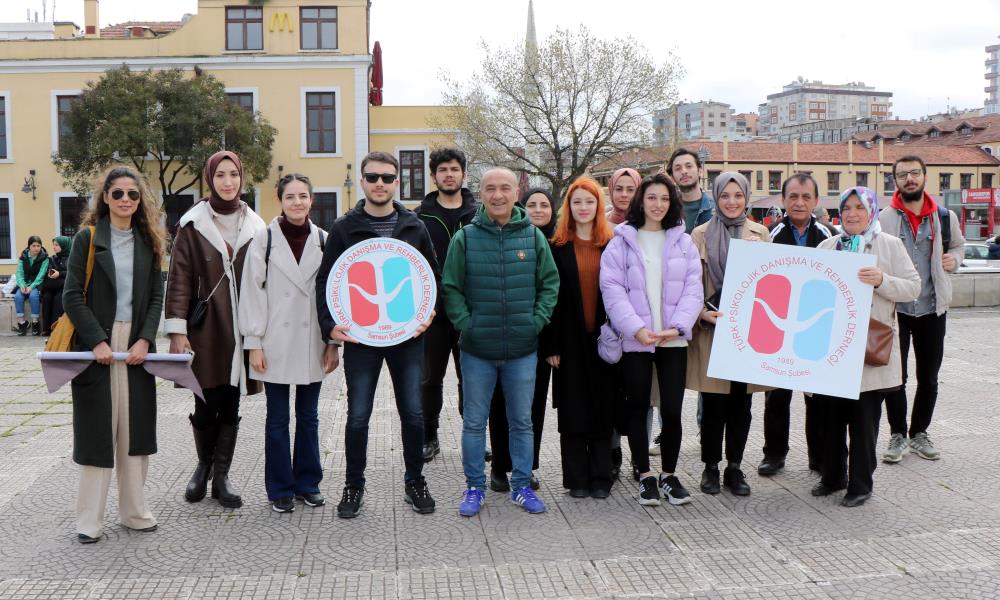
[
  {"x": 277, "y": 316},
  {"x": 206, "y": 263}
]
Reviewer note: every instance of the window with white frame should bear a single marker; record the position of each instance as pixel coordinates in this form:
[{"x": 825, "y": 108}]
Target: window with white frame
[
  {"x": 5, "y": 150},
  {"x": 62, "y": 102},
  {"x": 411, "y": 175},
  {"x": 70, "y": 213},
  {"x": 7, "y": 227},
  {"x": 320, "y": 122}
]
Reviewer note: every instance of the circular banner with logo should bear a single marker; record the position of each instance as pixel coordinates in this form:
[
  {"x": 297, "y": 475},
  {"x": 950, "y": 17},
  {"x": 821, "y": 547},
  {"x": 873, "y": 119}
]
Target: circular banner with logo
[{"x": 383, "y": 289}]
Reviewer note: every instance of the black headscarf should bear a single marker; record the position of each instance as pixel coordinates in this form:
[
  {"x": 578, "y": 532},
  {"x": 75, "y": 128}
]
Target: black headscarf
[{"x": 550, "y": 228}]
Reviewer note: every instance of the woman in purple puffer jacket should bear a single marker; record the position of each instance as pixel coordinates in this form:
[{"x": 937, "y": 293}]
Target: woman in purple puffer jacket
[{"x": 651, "y": 284}]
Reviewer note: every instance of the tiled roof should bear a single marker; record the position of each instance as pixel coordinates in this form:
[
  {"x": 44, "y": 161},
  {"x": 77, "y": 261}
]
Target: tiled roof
[
  {"x": 985, "y": 129},
  {"x": 765, "y": 152},
  {"x": 157, "y": 27}
]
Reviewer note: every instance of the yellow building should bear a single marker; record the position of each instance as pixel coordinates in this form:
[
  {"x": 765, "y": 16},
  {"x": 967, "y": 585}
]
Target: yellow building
[{"x": 299, "y": 62}]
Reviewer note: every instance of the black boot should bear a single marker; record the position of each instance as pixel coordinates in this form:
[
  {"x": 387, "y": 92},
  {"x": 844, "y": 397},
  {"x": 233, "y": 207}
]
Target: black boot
[
  {"x": 36, "y": 328},
  {"x": 225, "y": 444},
  {"x": 204, "y": 445},
  {"x": 22, "y": 328}
]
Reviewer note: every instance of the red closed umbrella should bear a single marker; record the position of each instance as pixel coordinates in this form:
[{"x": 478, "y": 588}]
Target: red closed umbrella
[{"x": 375, "y": 93}]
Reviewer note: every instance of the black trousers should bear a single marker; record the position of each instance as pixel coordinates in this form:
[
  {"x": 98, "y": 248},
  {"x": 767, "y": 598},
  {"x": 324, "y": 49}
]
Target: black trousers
[
  {"x": 52, "y": 308},
  {"x": 440, "y": 342},
  {"x": 777, "y": 405},
  {"x": 586, "y": 461},
  {"x": 499, "y": 430},
  {"x": 221, "y": 405},
  {"x": 671, "y": 374},
  {"x": 859, "y": 419},
  {"x": 725, "y": 416},
  {"x": 928, "y": 344}
]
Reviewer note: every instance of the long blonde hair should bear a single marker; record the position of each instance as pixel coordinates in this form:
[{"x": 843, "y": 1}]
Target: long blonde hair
[{"x": 148, "y": 218}]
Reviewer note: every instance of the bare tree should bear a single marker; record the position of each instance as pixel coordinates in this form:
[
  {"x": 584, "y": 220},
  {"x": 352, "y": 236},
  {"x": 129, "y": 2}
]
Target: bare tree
[{"x": 554, "y": 112}]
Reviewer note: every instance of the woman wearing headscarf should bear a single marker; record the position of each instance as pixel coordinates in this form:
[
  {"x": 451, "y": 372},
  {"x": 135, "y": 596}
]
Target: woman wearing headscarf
[
  {"x": 539, "y": 206},
  {"x": 55, "y": 280},
  {"x": 621, "y": 187},
  {"x": 726, "y": 412},
  {"x": 894, "y": 279},
  {"x": 201, "y": 315}
]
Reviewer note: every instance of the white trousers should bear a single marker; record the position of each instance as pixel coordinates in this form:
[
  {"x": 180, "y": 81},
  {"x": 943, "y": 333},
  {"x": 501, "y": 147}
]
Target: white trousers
[{"x": 131, "y": 470}]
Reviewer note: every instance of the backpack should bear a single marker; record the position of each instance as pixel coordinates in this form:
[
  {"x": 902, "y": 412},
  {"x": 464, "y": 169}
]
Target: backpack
[
  {"x": 944, "y": 215},
  {"x": 267, "y": 253}
]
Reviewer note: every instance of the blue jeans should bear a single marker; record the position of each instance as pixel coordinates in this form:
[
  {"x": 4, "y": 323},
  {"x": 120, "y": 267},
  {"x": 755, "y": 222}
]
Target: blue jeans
[
  {"x": 362, "y": 365},
  {"x": 33, "y": 299},
  {"x": 287, "y": 474},
  {"x": 479, "y": 378}
]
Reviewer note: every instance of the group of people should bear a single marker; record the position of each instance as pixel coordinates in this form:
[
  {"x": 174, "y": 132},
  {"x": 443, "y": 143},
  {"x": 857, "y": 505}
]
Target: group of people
[
  {"x": 39, "y": 282},
  {"x": 526, "y": 292}
]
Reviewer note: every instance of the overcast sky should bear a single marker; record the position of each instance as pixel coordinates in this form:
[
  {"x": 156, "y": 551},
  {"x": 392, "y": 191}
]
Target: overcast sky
[{"x": 736, "y": 52}]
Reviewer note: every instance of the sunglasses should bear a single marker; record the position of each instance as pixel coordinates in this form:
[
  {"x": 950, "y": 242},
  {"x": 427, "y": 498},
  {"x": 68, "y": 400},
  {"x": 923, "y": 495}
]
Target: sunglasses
[
  {"x": 386, "y": 177},
  {"x": 133, "y": 195}
]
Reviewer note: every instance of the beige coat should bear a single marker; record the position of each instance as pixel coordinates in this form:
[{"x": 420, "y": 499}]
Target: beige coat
[
  {"x": 280, "y": 318},
  {"x": 900, "y": 283},
  {"x": 890, "y": 220},
  {"x": 700, "y": 347}
]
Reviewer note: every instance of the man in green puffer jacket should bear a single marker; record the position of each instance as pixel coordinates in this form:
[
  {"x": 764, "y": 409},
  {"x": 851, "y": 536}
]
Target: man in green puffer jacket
[{"x": 500, "y": 286}]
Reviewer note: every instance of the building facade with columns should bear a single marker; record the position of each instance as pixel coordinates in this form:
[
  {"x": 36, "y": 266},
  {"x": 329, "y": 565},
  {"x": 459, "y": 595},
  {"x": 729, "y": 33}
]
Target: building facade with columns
[{"x": 303, "y": 64}]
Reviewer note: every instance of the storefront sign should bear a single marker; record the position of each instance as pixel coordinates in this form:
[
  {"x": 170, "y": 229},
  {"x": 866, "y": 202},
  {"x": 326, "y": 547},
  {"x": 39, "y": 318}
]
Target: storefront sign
[
  {"x": 383, "y": 289},
  {"x": 794, "y": 318}
]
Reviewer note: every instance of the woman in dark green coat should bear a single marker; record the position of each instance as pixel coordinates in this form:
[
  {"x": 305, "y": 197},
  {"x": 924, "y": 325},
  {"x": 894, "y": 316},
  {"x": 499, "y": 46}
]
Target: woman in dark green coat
[{"x": 114, "y": 402}]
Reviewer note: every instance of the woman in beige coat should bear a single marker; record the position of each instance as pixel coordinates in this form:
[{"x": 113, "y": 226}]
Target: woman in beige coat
[
  {"x": 726, "y": 404},
  {"x": 279, "y": 326},
  {"x": 895, "y": 280}
]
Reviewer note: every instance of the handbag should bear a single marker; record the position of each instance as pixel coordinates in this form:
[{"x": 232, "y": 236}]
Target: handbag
[
  {"x": 878, "y": 347},
  {"x": 198, "y": 308},
  {"x": 609, "y": 344},
  {"x": 63, "y": 330}
]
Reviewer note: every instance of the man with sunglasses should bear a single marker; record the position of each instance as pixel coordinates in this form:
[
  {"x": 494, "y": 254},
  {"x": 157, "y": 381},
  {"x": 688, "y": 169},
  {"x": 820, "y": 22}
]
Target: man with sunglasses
[
  {"x": 933, "y": 239},
  {"x": 378, "y": 215}
]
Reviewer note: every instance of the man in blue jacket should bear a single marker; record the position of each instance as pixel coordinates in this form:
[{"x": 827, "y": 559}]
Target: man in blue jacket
[{"x": 500, "y": 286}]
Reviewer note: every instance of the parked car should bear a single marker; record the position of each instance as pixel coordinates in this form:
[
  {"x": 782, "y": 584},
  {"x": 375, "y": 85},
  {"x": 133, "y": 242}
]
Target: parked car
[{"x": 977, "y": 258}]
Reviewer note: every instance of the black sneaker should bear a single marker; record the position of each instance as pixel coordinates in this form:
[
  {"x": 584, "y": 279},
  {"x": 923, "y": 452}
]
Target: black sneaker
[
  {"x": 673, "y": 491},
  {"x": 649, "y": 494},
  {"x": 770, "y": 466},
  {"x": 710, "y": 479},
  {"x": 415, "y": 494},
  {"x": 350, "y": 503},
  {"x": 431, "y": 449},
  {"x": 22, "y": 330},
  {"x": 283, "y": 505},
  {"x": 36, "y": 328},
  {"x": 313, "y": 499},
  {"x": 499, "y": 481}
]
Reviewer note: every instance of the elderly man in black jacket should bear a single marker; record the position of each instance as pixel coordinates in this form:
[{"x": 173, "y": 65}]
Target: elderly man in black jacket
[{"x": 799, "y": 227}]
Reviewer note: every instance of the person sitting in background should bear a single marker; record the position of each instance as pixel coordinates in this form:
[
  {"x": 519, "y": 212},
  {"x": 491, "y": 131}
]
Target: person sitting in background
[
  {"x": 31, "y": 271},
  {"x": 55, "y": 279}
]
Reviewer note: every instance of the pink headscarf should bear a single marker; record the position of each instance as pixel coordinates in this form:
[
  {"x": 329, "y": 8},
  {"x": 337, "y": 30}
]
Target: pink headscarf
[{"x": 617, "y": 216}]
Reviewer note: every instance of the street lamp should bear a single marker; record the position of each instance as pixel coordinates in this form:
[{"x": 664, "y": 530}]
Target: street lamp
[
  {"x": 29, "y": 185},
  {"x": 348, "y": 184}
]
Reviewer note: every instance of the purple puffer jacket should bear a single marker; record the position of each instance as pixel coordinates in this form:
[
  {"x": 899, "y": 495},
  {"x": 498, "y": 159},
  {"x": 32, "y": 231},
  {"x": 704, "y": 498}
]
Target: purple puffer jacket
[{"x": 623, "y": 285}]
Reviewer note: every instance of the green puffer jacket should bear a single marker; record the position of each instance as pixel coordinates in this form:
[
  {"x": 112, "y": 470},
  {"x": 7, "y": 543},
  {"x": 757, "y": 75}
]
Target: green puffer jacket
[{"x": 500, "y": 286}]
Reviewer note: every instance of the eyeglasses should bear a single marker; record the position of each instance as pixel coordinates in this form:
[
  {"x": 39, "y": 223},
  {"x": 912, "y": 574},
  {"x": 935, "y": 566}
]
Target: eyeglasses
[
  {"x": 915, "y": 173},
  {"x": 386, "y": 177},
  {"x": 133, "y": 195}
]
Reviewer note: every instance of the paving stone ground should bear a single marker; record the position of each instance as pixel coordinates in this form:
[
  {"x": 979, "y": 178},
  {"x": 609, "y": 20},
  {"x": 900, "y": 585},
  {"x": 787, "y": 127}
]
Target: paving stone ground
[{"x": 931, "y": 531}]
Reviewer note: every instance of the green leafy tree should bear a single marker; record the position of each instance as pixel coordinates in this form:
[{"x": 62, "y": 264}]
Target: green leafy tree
[
  {"x": 162, "y": 122},
  {"x": 553, "y": 111}
]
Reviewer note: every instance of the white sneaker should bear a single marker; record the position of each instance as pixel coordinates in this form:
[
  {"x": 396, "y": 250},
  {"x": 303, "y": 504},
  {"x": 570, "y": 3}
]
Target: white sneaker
[
  {"x": 898, "y": 446},
  {"x": 922, "y": 445}
]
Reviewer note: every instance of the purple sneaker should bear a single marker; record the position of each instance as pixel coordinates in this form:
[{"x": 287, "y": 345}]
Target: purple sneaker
[
  {"x": 526, "y": 499},
  {"x": 472, "y": 501}
]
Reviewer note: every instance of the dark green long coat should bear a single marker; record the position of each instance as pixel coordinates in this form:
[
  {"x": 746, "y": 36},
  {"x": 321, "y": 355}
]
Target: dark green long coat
[{"x": 92, "y": 441}]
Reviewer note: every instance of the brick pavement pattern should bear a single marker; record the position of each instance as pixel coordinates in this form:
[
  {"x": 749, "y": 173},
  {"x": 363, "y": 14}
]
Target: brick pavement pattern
[{"x": 931, "y": 531}]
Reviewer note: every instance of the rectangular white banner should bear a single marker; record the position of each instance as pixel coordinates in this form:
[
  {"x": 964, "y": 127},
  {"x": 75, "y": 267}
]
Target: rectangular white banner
[{"x": 793, "y": 318}]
